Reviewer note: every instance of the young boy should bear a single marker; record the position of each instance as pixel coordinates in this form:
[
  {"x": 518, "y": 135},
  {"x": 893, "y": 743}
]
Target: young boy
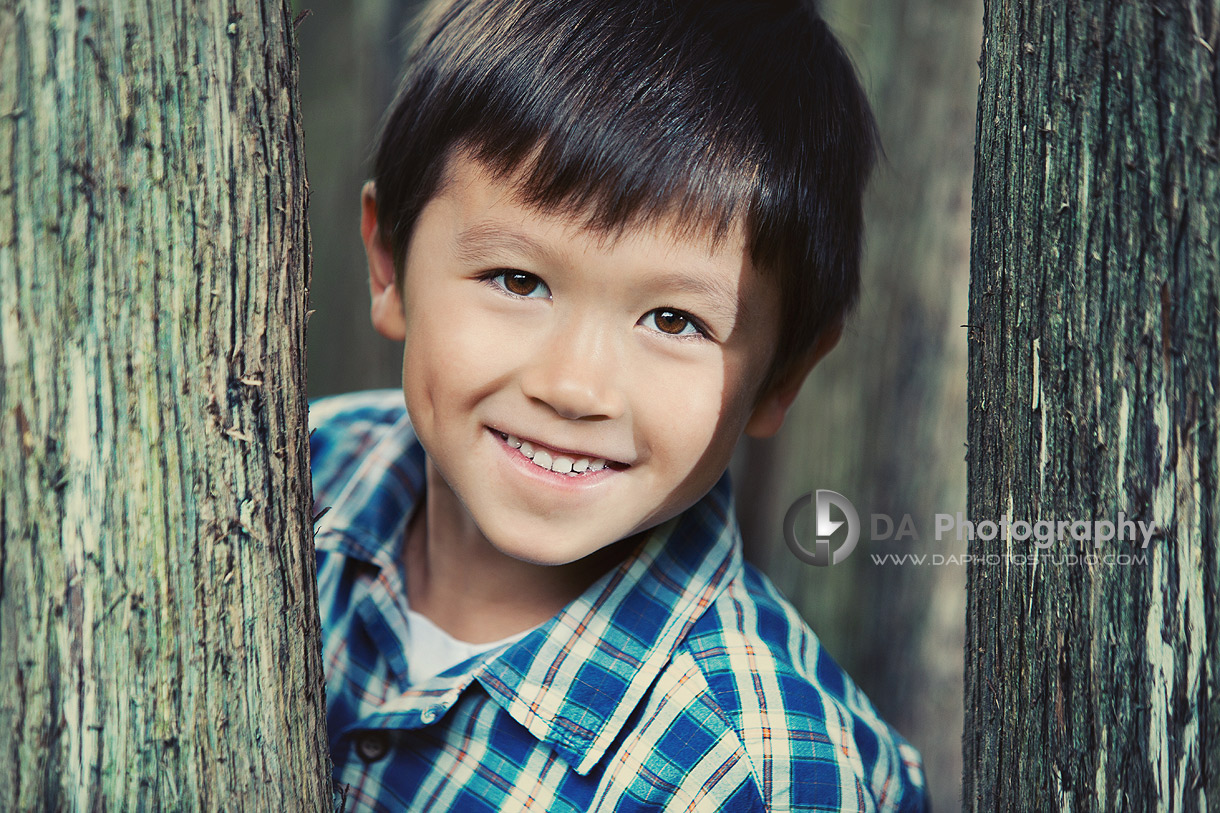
[{"x": 613, "y": 235}]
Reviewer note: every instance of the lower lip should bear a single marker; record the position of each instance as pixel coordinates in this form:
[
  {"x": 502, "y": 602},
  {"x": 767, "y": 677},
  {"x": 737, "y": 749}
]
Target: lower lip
[{"x": 527, "y": 467}]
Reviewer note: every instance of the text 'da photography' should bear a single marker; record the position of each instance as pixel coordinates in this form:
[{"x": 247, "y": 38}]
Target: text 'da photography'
[{"x": 823, "y": 528}]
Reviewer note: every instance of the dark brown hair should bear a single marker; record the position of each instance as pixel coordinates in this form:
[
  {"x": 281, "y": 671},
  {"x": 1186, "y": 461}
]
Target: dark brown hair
[{"x": 626, "y": 110}]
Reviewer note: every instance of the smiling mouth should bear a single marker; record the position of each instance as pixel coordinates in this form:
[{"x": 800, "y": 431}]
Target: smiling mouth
[{"x": 572, "y": 465}]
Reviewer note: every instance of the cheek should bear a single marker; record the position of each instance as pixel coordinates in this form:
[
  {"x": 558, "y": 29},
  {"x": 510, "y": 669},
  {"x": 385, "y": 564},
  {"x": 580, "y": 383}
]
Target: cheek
[
  {"x": 414, "y": 389},
  {"x": 686, "y": 415},
  {"x": 423, "y": 380},
  {"x": 448, "y": 356}
]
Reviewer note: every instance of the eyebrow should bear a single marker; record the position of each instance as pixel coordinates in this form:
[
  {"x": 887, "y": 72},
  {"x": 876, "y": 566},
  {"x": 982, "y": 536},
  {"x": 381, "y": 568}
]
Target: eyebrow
[
  {"x": 714, "y": 295},
  {"x": 484, "y": 241}
]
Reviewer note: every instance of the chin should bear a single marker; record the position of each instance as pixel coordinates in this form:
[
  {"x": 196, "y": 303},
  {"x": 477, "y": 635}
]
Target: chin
[
  {"x": 545, "y": 546},
  {"x": 540, "y": 552}
]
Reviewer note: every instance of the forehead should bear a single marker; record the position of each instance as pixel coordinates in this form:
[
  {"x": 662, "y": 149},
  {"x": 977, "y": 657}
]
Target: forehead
[{"x": 487, "y": 201}]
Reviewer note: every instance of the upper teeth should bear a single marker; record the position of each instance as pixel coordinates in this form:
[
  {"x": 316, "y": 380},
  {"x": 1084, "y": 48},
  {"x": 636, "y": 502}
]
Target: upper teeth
[{"x": 556, "y": 463}]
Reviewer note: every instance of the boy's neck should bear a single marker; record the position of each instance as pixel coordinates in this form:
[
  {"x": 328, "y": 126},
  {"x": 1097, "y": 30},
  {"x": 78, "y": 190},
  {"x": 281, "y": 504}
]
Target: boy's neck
[{"x": 476, "y": 593}]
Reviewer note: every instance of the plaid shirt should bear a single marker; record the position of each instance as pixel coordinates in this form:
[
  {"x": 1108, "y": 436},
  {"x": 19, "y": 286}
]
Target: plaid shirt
[{"x": 679, "y": 681}]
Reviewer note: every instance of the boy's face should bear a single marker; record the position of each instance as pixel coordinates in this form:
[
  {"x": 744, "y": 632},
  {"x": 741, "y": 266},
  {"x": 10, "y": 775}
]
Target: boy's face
[{"x": 642, "y": 353}]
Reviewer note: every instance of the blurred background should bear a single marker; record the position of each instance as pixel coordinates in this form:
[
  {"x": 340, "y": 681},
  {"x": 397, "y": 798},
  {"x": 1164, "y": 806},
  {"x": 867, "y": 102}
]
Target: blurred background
[{"x": 881, "y": 421}]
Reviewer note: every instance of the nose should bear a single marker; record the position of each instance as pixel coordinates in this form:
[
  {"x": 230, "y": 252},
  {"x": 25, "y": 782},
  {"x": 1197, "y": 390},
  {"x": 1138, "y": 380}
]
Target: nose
[{"x": 575, "y": 371}]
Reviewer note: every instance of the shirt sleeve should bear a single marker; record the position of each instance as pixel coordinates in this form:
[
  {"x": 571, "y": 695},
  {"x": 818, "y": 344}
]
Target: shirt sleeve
[{"x": 341, "y": 429}]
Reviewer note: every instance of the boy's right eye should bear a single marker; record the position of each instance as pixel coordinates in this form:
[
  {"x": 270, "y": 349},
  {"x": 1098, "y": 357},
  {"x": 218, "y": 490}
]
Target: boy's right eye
[{"x": 520, "y": 283}]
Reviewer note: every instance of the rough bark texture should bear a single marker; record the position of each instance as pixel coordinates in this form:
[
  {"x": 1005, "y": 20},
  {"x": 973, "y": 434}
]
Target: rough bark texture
[
  {"x": 1094, "y": 368},
  {"x": 159, "y": 642},
  {"x": 883, "y": 419}
]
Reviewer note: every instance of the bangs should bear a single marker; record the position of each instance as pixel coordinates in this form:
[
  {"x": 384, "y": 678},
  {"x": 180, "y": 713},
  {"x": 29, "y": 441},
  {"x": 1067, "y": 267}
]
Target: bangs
[
  {"x": 613, "y": 184},
  {"x": 643, "y": 140},
  {"x": 612, "y": 112}
]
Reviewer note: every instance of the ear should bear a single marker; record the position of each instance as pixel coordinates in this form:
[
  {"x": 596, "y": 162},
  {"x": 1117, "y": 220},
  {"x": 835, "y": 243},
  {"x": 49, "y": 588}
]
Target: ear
[
  {"x": 772, "y": 407},
  {"x": 387, "y": 311}
]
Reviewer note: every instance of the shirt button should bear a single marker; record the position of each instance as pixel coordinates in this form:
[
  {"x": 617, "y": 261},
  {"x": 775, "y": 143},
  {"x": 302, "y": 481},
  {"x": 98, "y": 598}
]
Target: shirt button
[
  {"x": 432, "y": 714},
  {"x": 373, "y": 745}
]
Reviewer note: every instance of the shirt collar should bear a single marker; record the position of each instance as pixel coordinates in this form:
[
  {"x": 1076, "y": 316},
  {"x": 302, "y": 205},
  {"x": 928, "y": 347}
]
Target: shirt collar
[{"x": 575, "y": 680}]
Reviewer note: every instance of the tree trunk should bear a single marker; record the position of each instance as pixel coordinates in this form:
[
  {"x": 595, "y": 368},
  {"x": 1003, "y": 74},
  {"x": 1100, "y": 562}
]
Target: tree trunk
[
  {"x": 158, "y": 618},
  {"x": 883, "y": 419},
  {"x": 1094, "y": 372}
]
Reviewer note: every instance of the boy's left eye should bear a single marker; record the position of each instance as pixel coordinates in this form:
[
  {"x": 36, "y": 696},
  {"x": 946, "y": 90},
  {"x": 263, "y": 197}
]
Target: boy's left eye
[{"x": 671, "y": 323}]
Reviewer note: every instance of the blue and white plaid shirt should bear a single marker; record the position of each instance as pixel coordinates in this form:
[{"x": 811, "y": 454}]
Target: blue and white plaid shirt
[{"x": 679, "y": 681}]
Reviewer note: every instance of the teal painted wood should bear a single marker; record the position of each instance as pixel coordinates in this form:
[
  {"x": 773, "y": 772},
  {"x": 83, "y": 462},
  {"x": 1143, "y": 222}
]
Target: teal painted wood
[
  {"x": 159, "y": 643},
  {"x": 1094, "y": 378}
]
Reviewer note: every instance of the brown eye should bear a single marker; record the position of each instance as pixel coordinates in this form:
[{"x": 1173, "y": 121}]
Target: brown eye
[
  {"x": 521, "y": 283},
  {"x": 672, "y": 323}
]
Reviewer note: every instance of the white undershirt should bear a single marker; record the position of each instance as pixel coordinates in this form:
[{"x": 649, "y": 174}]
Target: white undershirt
[{"x": 431, "y": 650}]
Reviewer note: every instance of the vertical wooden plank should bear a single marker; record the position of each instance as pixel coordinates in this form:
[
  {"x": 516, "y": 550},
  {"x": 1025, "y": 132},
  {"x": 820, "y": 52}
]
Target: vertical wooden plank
[
  {"x": 158, "y": 618},
  {"x": 1094, "y": 373}
]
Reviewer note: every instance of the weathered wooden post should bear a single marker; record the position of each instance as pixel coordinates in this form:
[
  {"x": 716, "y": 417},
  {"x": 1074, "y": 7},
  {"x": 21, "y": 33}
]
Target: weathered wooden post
[
  {"x": 1095, "y": 390},
  {"x": 158, "y": 624}
]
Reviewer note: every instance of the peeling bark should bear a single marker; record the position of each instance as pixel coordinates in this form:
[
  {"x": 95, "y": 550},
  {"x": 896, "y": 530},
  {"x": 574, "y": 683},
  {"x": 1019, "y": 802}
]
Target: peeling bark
[
  {"x": 159, "y": 641},
  {"x": 1094, "y": 377}
]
